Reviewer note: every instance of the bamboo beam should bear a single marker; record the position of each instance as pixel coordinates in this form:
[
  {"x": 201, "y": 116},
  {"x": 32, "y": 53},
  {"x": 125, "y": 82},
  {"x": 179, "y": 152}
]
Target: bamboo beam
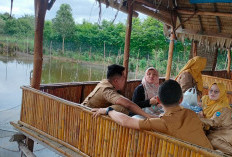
[
  {"x": 200, "y": 22},
  {"x": 163, "y": 16},
  {"x": 127, "y": 38},
  {"x": 194, "y": 48},
  {"x": 229, "y": 63},
  {"x": 217, "y": 18},
  {"x": 159, "y": 8},
  {"x": 205, "y": 33},
  {"x": 170, "y": 55},
  {"x": 40, "y": 12},
  {"x": 206, "y": 13},
  {"x": 117, "y": 6}
]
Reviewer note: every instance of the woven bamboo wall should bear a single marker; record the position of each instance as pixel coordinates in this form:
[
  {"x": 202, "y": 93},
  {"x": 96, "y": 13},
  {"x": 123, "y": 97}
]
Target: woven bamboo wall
[
  {"x": 101, "y": 137},
  {"x": 78, "y": 91},
  {"x": 220, "y": 74},
  {"x": 208, "y": 80}
]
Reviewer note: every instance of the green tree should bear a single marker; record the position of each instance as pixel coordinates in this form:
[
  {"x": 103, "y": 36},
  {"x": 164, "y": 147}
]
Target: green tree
[
  {"x": 2, "y": 25},
  {"x": 63, "y": 23},
  {"x": 48, "y": 32},
  {"x": 23, "y": 26}
]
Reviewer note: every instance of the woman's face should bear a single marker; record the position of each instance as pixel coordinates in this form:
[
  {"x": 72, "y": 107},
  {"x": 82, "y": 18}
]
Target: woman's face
[
  {"x": 214, "y": 92},
  {"x": 151, "y": 76}
]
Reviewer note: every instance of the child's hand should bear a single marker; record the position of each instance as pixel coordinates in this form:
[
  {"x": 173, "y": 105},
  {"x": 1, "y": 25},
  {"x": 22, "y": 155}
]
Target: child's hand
[{"x": 200, "y": 114}]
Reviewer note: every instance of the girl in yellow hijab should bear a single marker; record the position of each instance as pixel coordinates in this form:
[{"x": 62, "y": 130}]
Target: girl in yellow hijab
[
  {"x": 217, "y": 113},
  {"x": 215, "y": 100},
  {"x": 190, "y": 74}
]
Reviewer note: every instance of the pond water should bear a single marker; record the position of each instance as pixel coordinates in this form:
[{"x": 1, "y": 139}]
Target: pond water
[{"x": 17, "y": 71}]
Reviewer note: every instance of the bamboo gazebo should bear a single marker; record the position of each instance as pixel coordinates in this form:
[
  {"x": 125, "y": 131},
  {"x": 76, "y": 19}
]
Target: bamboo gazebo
[{"x": 51, "y": 114}]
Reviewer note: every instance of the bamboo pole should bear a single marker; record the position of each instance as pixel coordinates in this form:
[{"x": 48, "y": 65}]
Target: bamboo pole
[
  {"x": 127, "y": 38},
  {"x": 121, "y": 8},
  {"x": 229, "y": 63},
  {"x": 170, "y": 55},
  {"x": 194, "y": 49},
  {"x": 40, "y": 12},
  {"x": 214, "y": 61},
  {"x": 205, "y": 13}
]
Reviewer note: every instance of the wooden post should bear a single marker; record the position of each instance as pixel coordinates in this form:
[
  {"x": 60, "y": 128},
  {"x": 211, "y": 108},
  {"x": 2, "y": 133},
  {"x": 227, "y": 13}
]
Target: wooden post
[
  {"x": 30, "y": 144},
  {"x": 170, "y": 54},
  {"x": 214, "y": 61},
  {"x": 194, "y": 48},
  {"x": 40, "y": 11},
  {"x": 229, "y": 63},
  {"x": 127, "y": 38}
]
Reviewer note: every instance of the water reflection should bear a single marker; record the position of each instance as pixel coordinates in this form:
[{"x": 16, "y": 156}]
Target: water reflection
[
  {"x": 55, "y": 71},
  {"x": 16, "y": 72}
]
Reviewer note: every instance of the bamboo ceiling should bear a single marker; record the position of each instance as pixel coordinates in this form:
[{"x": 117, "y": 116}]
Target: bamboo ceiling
[{"x": 208, "y": 23}]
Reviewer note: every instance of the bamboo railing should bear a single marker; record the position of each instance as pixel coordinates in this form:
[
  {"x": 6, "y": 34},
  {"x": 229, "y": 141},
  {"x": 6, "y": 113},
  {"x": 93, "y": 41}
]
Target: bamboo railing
[
  {"x": 72, "y": 125},
  {"x": 208, "y": 80}
]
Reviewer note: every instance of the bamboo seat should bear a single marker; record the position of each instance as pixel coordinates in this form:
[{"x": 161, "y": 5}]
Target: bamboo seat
[{"x": 72, "y": 125}]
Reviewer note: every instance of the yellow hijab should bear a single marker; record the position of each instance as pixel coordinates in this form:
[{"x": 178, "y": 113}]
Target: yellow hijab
[
  {"x": 194, "y": 67},
  {"x": 211, "y": 106}
]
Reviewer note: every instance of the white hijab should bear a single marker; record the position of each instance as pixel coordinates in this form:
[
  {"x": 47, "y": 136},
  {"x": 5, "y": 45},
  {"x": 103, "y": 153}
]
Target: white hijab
[{"x": 150, "y": 90}]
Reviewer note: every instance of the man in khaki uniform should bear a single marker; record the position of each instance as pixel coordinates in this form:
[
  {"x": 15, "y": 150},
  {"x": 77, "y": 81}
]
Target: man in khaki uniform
[
  {"x": 177, "y": 122},
  {"x": 106, "y": 94}
]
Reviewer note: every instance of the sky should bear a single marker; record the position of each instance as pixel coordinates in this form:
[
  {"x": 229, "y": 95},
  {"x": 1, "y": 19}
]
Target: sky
[{"x": 81, "y": 9}]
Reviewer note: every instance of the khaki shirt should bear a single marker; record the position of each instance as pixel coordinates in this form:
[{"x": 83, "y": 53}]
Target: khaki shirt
[
  {"x": 220, "y": 126},
  {"x": 103, "y": 95},
  {"x": 178, "y": 122}
]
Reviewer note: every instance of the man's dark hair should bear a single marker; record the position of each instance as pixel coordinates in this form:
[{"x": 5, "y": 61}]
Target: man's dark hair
[
  {"x": 170, "y": 93},
  {"x": 114, "y": 70}
]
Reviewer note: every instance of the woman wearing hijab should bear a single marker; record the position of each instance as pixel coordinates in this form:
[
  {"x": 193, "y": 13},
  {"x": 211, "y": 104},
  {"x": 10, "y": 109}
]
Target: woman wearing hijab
[
  {"x": 145, "y": 93},
  {"x": 217, "y": 118},
  {"x": 190, "y": 75}
]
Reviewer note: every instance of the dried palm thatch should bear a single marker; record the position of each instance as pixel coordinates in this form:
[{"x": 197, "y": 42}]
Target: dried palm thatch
[{"x": 208, "y": 23}]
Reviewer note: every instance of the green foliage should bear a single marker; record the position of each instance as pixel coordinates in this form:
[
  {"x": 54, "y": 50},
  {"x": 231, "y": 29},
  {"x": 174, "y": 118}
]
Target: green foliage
[
  {"x": 23, "y": 26},
  {"x": 146, "y": 36},
  {"x": 147, "y": 39},
  {"x": 63, "y": 23},
  {"x": 48, "y": 31}
]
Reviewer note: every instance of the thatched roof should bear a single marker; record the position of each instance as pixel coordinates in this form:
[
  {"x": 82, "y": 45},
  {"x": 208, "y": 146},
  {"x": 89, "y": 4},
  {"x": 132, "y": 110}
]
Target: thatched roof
[{"x": 208, "y": 23}]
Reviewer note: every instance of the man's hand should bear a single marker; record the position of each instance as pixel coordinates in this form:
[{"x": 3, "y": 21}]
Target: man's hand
[{"x": 98, "y": 111}]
